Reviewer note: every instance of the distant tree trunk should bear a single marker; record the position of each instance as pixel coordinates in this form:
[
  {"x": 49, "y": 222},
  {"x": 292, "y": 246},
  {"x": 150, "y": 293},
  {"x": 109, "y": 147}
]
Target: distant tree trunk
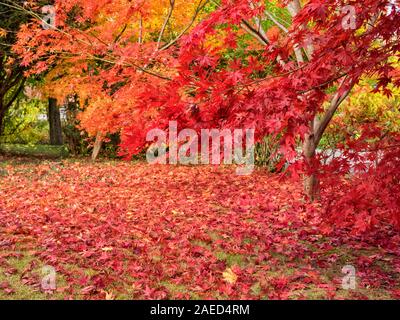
[
  {"x": 2, "y": 116},
  {"x": 10, "y": 89},
  {"x": 97, "y": 146},
  {"x": 55, "y": 123},
  {"x": 72, "y": 135}
]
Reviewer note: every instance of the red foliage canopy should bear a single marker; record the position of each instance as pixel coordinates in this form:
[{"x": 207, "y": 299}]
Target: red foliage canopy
[{"x": 287, "y": 83}]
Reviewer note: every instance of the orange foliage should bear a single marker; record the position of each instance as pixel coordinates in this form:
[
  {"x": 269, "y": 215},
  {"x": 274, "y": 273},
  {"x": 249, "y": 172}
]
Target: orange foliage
[{"x": 114, "y": 40}]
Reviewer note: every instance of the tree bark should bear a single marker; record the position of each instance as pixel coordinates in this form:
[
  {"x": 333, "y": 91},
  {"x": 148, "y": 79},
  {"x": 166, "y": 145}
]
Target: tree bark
[
  {"x": 54, "y": 117},
  {"x": 72, "y": 135},
  {"x": 2, "y": 116},
  {"x": 97, "y": 147},
  {"x": 311, "y": 181}
]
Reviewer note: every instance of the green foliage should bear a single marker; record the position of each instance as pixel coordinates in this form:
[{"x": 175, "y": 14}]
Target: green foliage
[
  {"x": 110, "y": 147},
  {"x": 364, "y": 107},
  {"x": 73, "y": 137},
  {"x": 266, "y": 153},
  {"x": 11, "y": 71},
  {"x": 75, "y": 141},
  {"x": 23, "y": 124}
]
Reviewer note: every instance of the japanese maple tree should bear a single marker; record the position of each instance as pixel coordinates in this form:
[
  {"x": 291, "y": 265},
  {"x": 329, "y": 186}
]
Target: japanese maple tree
[
  {"x": 289, "y": 79},
  {"x": 294, "y": 81},
  {"x": 281, "y": 67}
]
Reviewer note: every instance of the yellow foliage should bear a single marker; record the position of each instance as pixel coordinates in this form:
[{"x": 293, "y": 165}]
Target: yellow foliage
[
  {"x": 366, "y": 107},
  {"x": 230, "y": 276}
]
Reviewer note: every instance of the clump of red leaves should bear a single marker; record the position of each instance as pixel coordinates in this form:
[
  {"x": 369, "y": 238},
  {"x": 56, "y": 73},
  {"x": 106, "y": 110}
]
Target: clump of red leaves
[
  {"x": 369, "y": 197},
  {"x": 141, "y": 229}
]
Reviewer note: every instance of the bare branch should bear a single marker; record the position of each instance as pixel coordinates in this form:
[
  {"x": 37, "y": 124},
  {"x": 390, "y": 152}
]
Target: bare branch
[
  {"x": 170, "y": 11},
  {"x": 199, "y": 8}
]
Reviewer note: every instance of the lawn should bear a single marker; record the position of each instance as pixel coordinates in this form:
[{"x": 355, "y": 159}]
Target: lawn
[
  {"x": 46, "y": 151},
  {"x": 116, "y": 230}
]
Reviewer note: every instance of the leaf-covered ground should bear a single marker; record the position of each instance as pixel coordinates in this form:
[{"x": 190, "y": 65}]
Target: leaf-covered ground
[{"x": 135, "y": 231}]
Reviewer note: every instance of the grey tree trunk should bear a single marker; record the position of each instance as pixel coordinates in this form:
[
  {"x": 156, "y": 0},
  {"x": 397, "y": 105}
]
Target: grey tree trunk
[
  {"x": 97, "y": 147},
  {"x": 54, "y": 117},
  {"x": 311, "y": 182}
]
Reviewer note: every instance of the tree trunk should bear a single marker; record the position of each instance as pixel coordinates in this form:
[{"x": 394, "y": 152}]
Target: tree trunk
[
  {"x": 72, "y": 135},
  {"x": 97, "y": 146},
  {"x": 55, "y": 123},
  {"x": 2, "y": 116},
  {"x": 311, "y": 182}
]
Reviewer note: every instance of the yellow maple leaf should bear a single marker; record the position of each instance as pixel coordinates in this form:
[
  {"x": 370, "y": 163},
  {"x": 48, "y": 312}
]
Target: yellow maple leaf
[
  {"x": 109, "y": 295},
  {"x": 230, "y": 276},
  {"x": 3, "y": 33}
]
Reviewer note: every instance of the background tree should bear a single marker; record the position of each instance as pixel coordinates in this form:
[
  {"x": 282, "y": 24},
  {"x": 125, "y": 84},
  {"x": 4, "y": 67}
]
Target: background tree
[
  {"x": 54, "y": 116},
  {"x": 108, "y": 54},
  {"x": 12, "y": 78}
]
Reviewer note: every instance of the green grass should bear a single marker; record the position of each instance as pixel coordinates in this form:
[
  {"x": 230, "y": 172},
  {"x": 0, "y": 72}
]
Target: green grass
[
  {"x": 34, "y": 150},
  {"x": 24, "y": 291},
  {"x": 279, "y": 266},
  {"x": 121, "y": 291}
]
